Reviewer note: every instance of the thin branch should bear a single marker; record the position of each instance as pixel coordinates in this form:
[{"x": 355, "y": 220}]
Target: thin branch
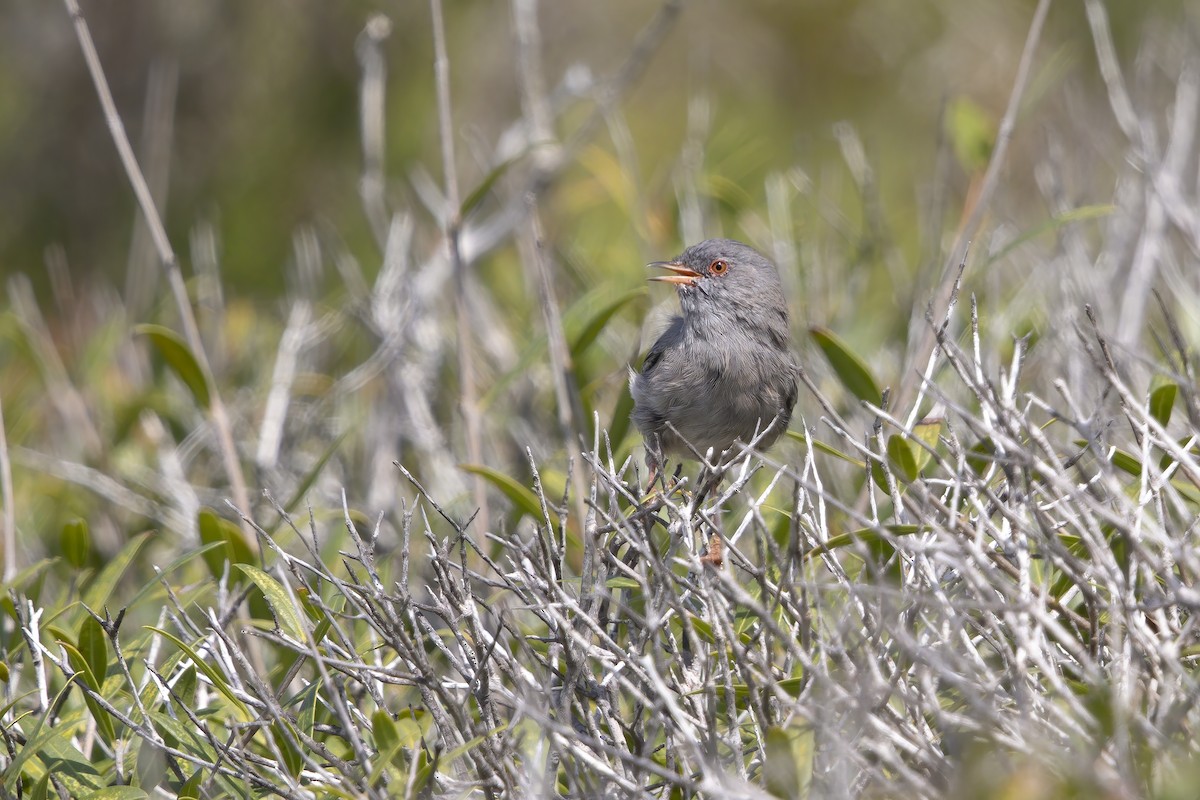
[
  {"x": 991, "y": 179},
  {"x": 166, "y": 254}
]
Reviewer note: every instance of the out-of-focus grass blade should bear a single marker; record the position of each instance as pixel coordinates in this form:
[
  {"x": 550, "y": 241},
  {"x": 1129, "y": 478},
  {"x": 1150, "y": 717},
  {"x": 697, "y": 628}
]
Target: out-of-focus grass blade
[
  {"x": 171, "y": 346},
  {"x": 522, "y": 497},
  {"x": 972, "y": 133},
  {"x": 595, "y": 324},
  {"x": 98, "y": 593},
  {"x": 1053, "y": 224},
  {"x": 850, "y": 369},
  {"x": 481, "y": 190},
  {"x": 311, "y": 476}
]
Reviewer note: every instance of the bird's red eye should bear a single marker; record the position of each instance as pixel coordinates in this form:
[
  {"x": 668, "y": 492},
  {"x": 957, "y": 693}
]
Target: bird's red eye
[{"x": 718, "y": 267}]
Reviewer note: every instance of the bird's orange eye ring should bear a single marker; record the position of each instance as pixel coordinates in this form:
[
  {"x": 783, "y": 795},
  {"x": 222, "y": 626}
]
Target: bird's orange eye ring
[{"x": 718, "y": 267}]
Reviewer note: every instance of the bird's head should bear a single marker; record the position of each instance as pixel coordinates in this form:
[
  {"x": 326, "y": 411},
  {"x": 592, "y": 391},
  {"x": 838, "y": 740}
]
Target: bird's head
[{"x": 720, "y": 274}]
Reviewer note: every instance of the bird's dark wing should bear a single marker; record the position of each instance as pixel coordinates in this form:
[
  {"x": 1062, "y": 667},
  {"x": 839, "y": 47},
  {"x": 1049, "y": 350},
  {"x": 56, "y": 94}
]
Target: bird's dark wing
[{"x": 667, "y": 340}]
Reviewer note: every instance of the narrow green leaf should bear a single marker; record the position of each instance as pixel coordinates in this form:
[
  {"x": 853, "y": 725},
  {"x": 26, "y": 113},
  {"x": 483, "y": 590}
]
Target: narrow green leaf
[
  {"x": 1052, "y": 224},
  {"x": 217, "y": 529},
  {"x": 293, "y": 760},
  {"x": 100, "y": 591},
  {"x": 981, "y": 456},
  {"x": 119, "y": 793},
  {"x": 311, "y": 476},
  {"x": 385, "y": 731},
  {"x": 481, "y": 191},
  {"x": 174, "y": 351},
  {"x": 218, "y": 680},
  {"x": 155, "y": 583},
  {"x": 521, "y": 497},
  {"x": 597, "y": 322},
  {"x": 191, "y": 789},
  {"x": 870, "y": 536},
  {"x": 972, "y": 133},
  {"x": 850, "y": 369},
  {"x": 928, "y": 433},
  {"x": 817, "y": 444},
  {"x": 621, "y": 583},
  {"x": 388, "y": 745},
  {"x": 781, "y": 770},
  {"x": 904, "y": 461},
  {"x": 93, "y": 647},
  {"x": 1162, "y": 399},
  {"x": 76, "y": 543},
  {"x": 38, "y": 738},
  {"x": 306, "y": 701},
  {"x": 104, "y": 723},
  {"x": 284, "y": 612}
]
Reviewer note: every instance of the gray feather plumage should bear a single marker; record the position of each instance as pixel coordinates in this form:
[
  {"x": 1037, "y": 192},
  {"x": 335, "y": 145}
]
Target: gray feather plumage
[{"x": 723, "y": 369}]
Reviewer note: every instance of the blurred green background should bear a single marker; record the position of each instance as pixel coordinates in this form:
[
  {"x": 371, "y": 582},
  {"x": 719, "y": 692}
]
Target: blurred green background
[{"x": 266, "y": 129}]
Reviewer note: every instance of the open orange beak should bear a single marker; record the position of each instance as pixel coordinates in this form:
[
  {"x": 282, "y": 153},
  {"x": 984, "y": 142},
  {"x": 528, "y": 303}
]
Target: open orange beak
[{"x": 683, "y": 275}]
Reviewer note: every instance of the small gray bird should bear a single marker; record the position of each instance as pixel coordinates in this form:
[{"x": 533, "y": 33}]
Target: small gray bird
[{"x": 723, "y": 370}]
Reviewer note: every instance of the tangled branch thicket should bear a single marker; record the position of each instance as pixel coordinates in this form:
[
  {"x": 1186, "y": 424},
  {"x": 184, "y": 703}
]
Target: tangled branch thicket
[{"x": 988, "y": 590}]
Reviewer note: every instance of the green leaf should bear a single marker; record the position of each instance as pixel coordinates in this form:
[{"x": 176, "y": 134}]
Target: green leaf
[
  {"x": 104, "y": 724},
  {"x": 277, "y": 598},
  {"x": 385, "y": 731},
  {"x": 599, "y": 319},
  {"x": 972, "y": 133},
  {"x": 485, "y": 186},
  {"x": 869, "y": 536},
  {"x": 817, "y": 444},
  {"x": 1162, "y": 399},
  {"x": 155, "y": 583},
  {"x": 927, "y": 432},
  {"x": 100, "y": 591},
  {"x": 781, "y": 770},
  {"x": 171, "y": 346},
  {"x": 521, "y": 497},
  {"x": 218, "y": 681},
  {"x": 981, "y": 456},
  {"x": 311, "y": 476},
  {"x": 76, "y": 543},
  {"x": 388, "y": 745},
  {"x": 910, "y": 455},
  {"x": 93, "y": 647},
  {"x": 191, "y": 789},
  {"x": 36, "y": 739},
  {"x": 1052, "y": 224},
  {"x": 292, "y": 758},
  {"x": 621, "y": 583},
  {"x": 904, "y": 461},
  {"x": 119, "y": 793},
  {"x": 850, "y": 369},
  {"x": 235, "y": 550}
]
